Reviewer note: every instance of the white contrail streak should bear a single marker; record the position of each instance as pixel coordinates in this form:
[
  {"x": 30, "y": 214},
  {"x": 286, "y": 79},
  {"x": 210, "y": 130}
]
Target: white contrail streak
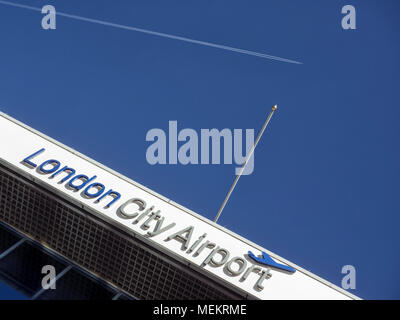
[{"x": 155, "y": 33}]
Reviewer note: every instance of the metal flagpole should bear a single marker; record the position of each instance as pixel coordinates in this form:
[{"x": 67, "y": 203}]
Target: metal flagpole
[{"x": 245, "y": 163}]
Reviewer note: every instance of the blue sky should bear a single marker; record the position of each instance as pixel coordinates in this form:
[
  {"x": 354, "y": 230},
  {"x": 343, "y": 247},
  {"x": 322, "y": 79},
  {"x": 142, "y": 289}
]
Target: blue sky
[{"x": 324, "y": 192}]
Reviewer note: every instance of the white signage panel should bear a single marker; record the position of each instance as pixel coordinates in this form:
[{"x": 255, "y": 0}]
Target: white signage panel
[{"x": 181, "y": 234}]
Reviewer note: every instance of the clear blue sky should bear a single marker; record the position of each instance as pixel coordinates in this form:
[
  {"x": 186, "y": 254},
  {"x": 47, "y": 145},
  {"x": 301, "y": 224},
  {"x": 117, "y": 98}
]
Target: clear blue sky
[{"x": 325, "y": 189}]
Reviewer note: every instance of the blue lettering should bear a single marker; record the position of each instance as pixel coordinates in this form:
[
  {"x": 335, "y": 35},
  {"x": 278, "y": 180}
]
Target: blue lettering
[
  {"x": 80, "y": 177},
  {"x": 78, "y": 182},
  {"x": 26, "y": 160},
  {"x": 55, "y": 163},
  {"x": 112, "y": 194},
  {"x": 100, "y": 189}
]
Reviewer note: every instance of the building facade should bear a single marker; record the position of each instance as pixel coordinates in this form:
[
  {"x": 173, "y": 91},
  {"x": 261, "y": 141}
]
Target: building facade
[{"x": 137, "y": 243}]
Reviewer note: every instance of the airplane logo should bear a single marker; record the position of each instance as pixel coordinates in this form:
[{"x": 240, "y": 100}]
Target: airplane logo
[{"x": 268, "y": 261}]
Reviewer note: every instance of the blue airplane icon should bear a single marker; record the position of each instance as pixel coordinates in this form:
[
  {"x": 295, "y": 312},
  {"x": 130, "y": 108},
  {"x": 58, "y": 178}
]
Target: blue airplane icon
[{"x": 268, "y": 261}]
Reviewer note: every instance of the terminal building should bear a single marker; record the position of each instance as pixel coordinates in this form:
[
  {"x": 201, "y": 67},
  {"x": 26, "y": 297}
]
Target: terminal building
[{"x": 109, "y": 237}]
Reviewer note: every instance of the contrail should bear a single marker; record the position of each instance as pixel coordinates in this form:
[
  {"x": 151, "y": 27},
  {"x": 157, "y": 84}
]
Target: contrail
[{"x": 155, "y": 33}]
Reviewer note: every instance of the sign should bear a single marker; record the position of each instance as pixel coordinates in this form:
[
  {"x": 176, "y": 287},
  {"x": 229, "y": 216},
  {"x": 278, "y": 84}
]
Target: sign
[{"x": 180, "y": 233}]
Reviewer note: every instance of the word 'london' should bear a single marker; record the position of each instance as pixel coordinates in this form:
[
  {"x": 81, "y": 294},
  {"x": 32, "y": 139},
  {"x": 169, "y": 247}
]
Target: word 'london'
[{"x": 144, "y": 215}]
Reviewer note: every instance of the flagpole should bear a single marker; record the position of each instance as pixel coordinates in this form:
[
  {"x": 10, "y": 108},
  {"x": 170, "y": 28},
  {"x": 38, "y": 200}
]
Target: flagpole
[{"x": 245, "y": 163}]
